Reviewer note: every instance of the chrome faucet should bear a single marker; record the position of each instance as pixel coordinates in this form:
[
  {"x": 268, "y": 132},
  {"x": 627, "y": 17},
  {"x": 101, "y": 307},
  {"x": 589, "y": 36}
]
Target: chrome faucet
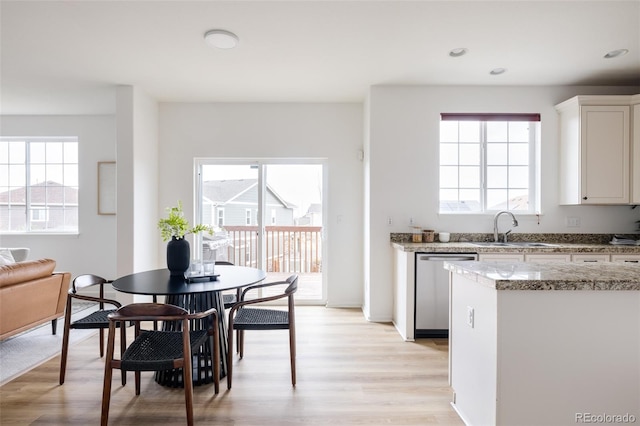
[{"x": 495, "y": 224}]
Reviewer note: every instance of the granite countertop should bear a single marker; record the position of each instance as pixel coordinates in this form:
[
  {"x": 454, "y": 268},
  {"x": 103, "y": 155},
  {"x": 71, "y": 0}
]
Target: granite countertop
[
  {"x": 469, "y": 247},
  {"x": 550, "y": 276}
]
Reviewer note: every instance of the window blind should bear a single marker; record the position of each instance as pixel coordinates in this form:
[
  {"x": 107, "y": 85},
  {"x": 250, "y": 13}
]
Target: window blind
[{"x": 462, "y": 116}]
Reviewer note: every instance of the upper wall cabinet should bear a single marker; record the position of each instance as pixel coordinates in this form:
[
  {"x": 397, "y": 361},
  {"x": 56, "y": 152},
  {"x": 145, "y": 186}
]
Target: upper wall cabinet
[{"x": 595, "y": 150}]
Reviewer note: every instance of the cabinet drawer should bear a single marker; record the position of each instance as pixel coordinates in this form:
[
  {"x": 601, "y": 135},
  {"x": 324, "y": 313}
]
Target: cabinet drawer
[
  {"x": 491, "y": 257},
  {"x": 545, "y": 258},
  {"x": 627, "y": 258},
  {"x": 588, "y": 257}
]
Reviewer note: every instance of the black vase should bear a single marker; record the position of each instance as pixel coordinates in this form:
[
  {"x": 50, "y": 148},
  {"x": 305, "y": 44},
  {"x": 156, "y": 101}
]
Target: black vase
[{"x": 178, "y": 256}]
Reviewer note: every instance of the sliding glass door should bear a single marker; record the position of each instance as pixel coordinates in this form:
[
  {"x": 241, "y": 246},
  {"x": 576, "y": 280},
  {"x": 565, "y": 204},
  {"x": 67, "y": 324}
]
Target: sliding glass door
[{"x": 269, "y": 215}]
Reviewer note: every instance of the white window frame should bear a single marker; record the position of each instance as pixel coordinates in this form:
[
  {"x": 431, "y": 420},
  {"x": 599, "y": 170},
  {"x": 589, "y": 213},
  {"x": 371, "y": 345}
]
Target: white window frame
[
  {"x": 64, "y": 206},
  {"x": 533, "y": 154},
  {"x": 220, "y": 216},
  {"x": 247, "y": 217}
]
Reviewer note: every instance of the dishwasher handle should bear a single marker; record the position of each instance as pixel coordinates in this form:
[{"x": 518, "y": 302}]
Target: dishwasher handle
[{"x": 446, "y": 258}]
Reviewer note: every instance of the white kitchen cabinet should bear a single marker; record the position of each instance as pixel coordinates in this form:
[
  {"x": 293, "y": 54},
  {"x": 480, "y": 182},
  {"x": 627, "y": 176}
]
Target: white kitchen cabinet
[
  {"x": 404, "y": 266},
  {"x": 547, "y": 257},
  {"x": 635, "y": 148},
  {"x": 626, "y": 258},
  {"x": 590, "y": 257},
  {"x": 595, "y": 150}
]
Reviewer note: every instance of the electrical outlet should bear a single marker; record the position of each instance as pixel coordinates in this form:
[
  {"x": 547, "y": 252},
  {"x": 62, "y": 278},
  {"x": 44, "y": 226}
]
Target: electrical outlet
[
  {"x": 411, "y": 221},
  {"x": 389, "y": 221},
  {"x": 470, "y": 316},
  {"x": 573, "y": 222}
]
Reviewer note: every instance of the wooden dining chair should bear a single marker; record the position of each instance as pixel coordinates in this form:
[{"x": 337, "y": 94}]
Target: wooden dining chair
[
  {"x": 161, "y": 350},
  {"x": 242, "y": 318},
  {"x": 96, "y": 320}
]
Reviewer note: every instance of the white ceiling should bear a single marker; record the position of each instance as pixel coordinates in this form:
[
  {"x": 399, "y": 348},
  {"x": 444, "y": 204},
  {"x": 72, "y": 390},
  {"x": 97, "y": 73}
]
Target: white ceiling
[{"x": 66, "y": 56}]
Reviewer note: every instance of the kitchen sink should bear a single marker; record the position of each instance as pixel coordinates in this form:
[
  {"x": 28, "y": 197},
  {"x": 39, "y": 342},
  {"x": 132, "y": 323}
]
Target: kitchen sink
[
  {"x": 490, "y": 243},
  {"x": 513, "y": 244},
  {"x": 531, "y": 244}
]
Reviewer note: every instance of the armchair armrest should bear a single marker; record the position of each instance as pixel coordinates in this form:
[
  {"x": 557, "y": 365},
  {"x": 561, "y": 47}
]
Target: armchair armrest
[
  {"x": 241, "y": 302},
  {"x": 291, "y": 283},
  {"x": 95, "y": 299}
]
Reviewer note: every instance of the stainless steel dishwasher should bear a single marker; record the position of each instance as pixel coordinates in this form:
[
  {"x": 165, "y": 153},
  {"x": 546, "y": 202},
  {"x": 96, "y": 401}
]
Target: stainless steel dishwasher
[{"x": 432, "y": 292}]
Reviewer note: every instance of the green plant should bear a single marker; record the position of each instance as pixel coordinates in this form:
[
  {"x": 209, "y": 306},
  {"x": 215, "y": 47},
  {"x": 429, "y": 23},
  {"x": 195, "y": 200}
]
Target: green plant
[{"x": 176, "y": 225}]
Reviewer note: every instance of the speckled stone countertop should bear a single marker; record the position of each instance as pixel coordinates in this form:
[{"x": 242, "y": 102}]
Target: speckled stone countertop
[
  {"x": 550, "y": 276},
  {"x": 562, "y": 243}
]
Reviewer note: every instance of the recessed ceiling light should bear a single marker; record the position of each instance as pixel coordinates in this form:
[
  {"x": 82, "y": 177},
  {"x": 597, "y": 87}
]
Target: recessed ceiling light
[
  {"x": 616, "y": 53},
  {"x": 498, "y": 71},
  {"x": 455, "y": 53},
  {"x": 221, "y": 39}
]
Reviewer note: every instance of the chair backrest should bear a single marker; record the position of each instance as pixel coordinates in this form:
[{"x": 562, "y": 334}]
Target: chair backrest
[
  {"x": 149, "y": 312},
  {"x": 87, "y": 280},
  {"x": 288, "y": 292}
]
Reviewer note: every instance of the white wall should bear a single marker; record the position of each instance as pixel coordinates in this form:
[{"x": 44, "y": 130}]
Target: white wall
[
  {"x": 367, "y": 208},
  {"x": 93, "y": 250},
  {"x": 263, "y": 130},
  {"x": 403, "y": 159},
  {"x": 137, "y": 147},
  {"x": 125, "y": 236},
  {"x": 145, "y": 176}
]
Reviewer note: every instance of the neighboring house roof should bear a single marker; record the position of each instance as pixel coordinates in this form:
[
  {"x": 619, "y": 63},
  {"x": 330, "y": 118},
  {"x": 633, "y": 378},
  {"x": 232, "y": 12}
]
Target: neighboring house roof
[
  {"x": 53, "y": 193},
  {"x": 221, "y": 192},
  {"x": 313, "y": 214},
  {"x": 314, "y": 208},
  {"x": 459, "y": 206},
  {"x": 515, "y": 203}
]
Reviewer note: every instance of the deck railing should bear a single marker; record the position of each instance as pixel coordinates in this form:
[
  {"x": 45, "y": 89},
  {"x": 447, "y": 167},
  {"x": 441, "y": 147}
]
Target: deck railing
[{"x": 289, "y": 249}]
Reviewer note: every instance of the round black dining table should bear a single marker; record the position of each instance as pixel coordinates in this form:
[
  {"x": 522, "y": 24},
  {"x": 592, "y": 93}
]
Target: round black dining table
[{"x": 194, "y": 296}]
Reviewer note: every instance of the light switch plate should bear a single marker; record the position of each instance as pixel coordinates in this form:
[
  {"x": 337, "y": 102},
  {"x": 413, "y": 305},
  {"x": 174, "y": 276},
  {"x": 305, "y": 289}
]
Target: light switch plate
[{"x": 470, "y": 316}]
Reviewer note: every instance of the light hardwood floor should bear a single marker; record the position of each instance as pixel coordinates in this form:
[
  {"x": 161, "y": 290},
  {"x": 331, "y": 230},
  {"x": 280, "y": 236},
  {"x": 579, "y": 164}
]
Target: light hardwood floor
[{"x": 350, "y": 372}]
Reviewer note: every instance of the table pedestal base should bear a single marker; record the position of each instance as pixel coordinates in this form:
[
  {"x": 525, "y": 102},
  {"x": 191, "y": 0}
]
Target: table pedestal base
[{"x": 201, "y": 360}]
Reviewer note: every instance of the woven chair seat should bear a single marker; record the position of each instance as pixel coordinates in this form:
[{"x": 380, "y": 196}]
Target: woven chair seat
[
  {"x": 97, "y": 319},
  {"x": 156, "y": 350},
  {"x": 261, "y": 319}
]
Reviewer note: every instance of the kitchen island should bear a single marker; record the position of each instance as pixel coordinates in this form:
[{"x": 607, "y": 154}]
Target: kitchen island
[{"x": 544, "y": 344}]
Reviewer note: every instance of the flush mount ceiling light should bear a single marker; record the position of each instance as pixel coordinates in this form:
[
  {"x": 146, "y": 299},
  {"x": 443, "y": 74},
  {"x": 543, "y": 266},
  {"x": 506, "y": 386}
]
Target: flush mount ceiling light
[
  {"x": 498, "y": 71},
  {"x": 221, "y": 39},
  {"x": 455, "y": 53},
  {"x": 616, "y": 53}
]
